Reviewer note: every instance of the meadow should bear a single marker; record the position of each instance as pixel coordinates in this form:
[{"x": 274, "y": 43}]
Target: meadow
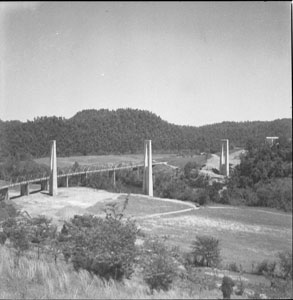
[
  {"x": 97, "y": 160},
  {"x": 247, "y": 235}
]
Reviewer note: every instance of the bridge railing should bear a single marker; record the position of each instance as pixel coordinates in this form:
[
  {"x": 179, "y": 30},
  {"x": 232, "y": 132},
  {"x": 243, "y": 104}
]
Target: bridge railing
[{"x": 20, "y": 180}]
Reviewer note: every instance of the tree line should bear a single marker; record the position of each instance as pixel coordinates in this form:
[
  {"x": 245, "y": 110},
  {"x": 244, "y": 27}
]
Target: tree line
[{"x": 97, "y": 132}]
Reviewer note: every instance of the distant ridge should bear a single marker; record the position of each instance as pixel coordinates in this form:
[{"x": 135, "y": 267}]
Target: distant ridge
[{"x": 124, "y": 130}]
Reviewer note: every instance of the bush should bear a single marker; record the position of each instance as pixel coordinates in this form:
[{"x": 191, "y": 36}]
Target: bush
[
  {"x": 159, "y": 267},
  {"x": 227, "y": 287},
  {"x": 191, "y": 170},
  {"x": 224, "y": 196},
  {"x": 203, "y": 197},
  {"x": 233, "y": 267},
  {"x": 25, "y": 232},
  {"x": 206, "y": 251},
  {"x": 105, "y": 247},
  {"x": 7, "y": 211},
  {"x": 266, "y": 268},
  {"x": 3, "y": 238},
  {"x": 277, "y": 193},
  {"x": 213, "y": 191},
  {"x": 100, "y": 181},
  {"x": 17, "y": 232},
  {"x": 285, "y": 259}
]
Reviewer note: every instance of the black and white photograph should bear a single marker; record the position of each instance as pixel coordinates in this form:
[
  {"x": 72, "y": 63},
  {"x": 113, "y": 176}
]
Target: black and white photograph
[{"x": 146, "y": 150}]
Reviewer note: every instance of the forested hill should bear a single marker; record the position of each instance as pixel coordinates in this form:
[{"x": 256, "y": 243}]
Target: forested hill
[{"x": 123, "y": 131}]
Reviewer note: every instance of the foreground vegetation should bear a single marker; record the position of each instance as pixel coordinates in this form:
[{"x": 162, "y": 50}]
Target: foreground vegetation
[{"x": 109, "y": 257}]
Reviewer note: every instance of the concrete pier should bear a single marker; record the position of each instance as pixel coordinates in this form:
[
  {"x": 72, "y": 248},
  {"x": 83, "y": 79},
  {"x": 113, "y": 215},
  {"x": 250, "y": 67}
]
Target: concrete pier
[
  {"x": 148, "y": 169},
  {"x": 44, "y": 185},
  {"x": 66, "y": 181},
  {"x": 224, "y": 158},
  {"x": 24, "y": 189},
  {"x": 114, "y": 178},
  {"x": 53, "y": 190},
  {"x": 4, "y": 194}
]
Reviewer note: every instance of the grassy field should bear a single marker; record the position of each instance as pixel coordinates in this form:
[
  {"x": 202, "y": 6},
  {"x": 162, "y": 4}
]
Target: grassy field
[
  {"x": 96, "y": 160},
  {"x": 139, "y": 206},
  {"x": 247, "y": 236}
]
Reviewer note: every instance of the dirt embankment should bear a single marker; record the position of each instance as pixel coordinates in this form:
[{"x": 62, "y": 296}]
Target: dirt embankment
[
  {"x": 214, "y": 163},
  {"x": 68, "y": 202},
  {"x": 82, "y": 200}
]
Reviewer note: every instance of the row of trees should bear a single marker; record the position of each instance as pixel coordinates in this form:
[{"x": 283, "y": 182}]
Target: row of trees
[{"x": 123, "y": 131}]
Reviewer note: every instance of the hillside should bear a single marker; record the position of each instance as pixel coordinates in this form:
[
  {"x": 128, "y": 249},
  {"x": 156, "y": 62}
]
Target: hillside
[{"x": 123, "y": 131}]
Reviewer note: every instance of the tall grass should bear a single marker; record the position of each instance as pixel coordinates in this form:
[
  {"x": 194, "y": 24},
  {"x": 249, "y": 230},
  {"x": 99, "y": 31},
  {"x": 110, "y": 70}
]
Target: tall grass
[{"x": 30, "y": 278}]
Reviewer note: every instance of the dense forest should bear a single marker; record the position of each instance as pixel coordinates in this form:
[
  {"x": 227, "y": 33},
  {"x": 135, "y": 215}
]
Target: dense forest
[
  {"x": 263, "y": 178},
  {"x": 120, "y": 131}
]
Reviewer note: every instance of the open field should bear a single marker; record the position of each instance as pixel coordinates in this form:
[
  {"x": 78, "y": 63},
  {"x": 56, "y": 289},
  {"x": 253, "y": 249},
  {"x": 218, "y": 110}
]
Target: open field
[
  {"x": 247, "y": 235},
  {"x": 97, "y": 160},
  {"x": 81, "y": 200},
  {"x": 139, "y": 206}
]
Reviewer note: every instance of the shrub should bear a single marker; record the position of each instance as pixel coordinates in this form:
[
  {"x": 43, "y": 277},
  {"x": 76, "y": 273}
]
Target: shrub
[
  {"x": 191, "y": 170},
  {"x": 25, "y": 232},
  {"x": 206, "y": 251},
  {"x": 189, "y": 195},
  {"x": 158, "y": 264},
  {"x": 266, "y": 268},
  {"x": 105, "y": 247},
  {"x": 3, "y": 238},
  {"x": 285, "y": 259},
  {"x": 227, "y": 287},
  {"x": 203, "y": 197},
  {"x": 100, "y": 181},
  {"x": 213, "y": 191},
  {"x": 233, "y": 267},
  {"x": 7, "y": 211},
  {"x": 17, "y": 232},
  {"x": 224, "y": 197}
]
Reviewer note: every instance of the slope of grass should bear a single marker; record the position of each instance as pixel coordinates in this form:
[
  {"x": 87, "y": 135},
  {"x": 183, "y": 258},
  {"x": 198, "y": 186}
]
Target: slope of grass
[
  {"x": 31, "y": 278},
  {"x": 247, "y": 236},
  {"x": 95, "y": 160},
  {"x": 138, "y": 205}
]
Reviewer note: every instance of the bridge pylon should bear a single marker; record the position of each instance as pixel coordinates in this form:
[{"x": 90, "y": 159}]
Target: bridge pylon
[
  {"x": 148, "y": 169},
  {"x": 53, "y": 189},
  {"x": 224, "y": 158}
]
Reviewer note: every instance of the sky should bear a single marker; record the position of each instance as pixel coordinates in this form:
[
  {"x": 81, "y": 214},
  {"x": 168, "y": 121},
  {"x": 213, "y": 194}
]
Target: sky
[{"x": 191, "y": 63}]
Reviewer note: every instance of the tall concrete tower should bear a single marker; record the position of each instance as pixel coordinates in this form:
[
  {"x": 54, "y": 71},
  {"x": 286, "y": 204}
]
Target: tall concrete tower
[
  {"x": 148, "y": 169},
  {"x": 224, "y": 158},
  {"x": 53, "y": 190}
]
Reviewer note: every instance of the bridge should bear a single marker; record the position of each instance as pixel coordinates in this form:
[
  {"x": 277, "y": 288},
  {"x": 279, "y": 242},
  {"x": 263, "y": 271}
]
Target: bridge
[{"x": 50, "y": 181}]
